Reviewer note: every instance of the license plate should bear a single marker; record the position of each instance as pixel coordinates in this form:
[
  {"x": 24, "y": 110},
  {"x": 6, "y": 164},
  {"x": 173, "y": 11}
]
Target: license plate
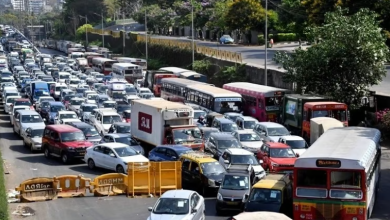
[
  {"x": 82, "y": 154},
  {"x": 232, "y": 203},
  {"x": 305, "y": 208}
]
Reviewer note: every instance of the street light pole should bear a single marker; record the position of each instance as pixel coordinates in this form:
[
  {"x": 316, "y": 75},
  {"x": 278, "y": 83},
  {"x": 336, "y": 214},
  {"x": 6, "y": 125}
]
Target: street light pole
[
  {"x": 102, "y": 29},
  {"x": 266, "y": 43},
  {"x": 146, "y": 37},
  {"x": 192, "y": 32}
]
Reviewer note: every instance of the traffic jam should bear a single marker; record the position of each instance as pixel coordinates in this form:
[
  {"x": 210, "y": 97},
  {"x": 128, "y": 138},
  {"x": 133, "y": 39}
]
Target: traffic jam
[{"x": 251, "y": 147}]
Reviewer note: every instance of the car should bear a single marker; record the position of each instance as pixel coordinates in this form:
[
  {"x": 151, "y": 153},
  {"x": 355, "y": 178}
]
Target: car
[
  {"x": 24, "y": 119},
  {"x": 270, "y": 131},
  {"x": 9, "y": 103},
  {"x": 226, "y": 39},
  {"x": 201, "y": 172},
  {"x": 75, "y": 104},
  {"x": 179, "y": 204},
  {"x": 238, "y": 156},
  {"x": 104, "y": 118},
  {"x": 246, "y": 122},
  {"x": 126, "y": 116},
  {"x": 276, "y": 157},
  {"x": 219, "y": 142},
  {"x": 64, "y": 93},
  {"x": 124, "y": 139},
  {"x": 61, "y": 115},
  {"x": 89, "y": 131},
  {"x": 249, "y": 140},
  {"x": 120, "y": 128},
  {"x": 101, "y": 98},
  {"x": 85, "y": 111},
  {"x": 41, "y": 99},
  {"x": 73, "y": 83},
  {"x": 49, "y": 114},
  {"x": 43, "y": 105},
  {"x": 67, "y": 99},
  {"x": 16, "y": 108},
  {"x": 68, "y": 121},
  {"x": 32, "y": 138},
  {"x": 168, "y": 152},
  {"x": 263, "y": 215},
  {"x": 23, "y": 102},
  {"x": 224, "y": 125},
  {"x": 8, "y": 93},
  {"x": 143, "y": 90},
  {"x": 146, "y": 95},
  {"x": 112, "y": 156},
  {"x": 65, "y": 142},
  {"x": 197, "y": 114},
  {"x": 91, "y": 98},
  {"x": 297, "y": 143}
]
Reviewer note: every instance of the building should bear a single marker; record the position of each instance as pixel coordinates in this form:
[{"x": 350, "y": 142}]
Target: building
[
  {"x": 19, "y": 5},
  {"x": 36, "y": 6}
]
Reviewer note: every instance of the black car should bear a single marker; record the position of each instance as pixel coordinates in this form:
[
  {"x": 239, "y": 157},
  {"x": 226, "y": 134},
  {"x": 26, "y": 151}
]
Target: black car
[
  {"x": 89, "y": 131},
  {"x": 219, "y": 142},
  {"x": 122, "y": 106}
]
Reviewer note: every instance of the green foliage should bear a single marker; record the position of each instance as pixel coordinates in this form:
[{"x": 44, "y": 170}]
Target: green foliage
[
  {"x": 156, "y": 17},
  {"x": 294, "y": 16},
  {"x": 261, "y": 39},
  {"x": 3, "y": 194},
  {"x": 347, "y": 61},
  {"x": 283, "y": 37},
  {"x": 201, "y": 66},
  {"x": 96, "y": 42},
  {"x": 229, "y": 74},
  {"x": 80, "y": 32},
  {"x": 218, "y": 14},
  {"x": 244, "y": 15},
  {"x": 155, "y": 64}
]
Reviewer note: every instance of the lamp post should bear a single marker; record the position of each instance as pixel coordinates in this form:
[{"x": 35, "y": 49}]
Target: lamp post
[
  {"x": 192, "y": 33},
  {"x": 102, "y": 27},
  {"x": 266, "y": 43},
  {"x": 146, "y": 37},
  {"x": 86, "y": 30}
]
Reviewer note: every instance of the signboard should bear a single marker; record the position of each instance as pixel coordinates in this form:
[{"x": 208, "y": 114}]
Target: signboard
[
  {"x": 145, "y": 122},
  {"x": 330, "y": 106},
  {"x": 328, "y": 163},
  {"x": 35, "y": 186},
  {"x": 291, "y": 107},
  {"x": 272, "y": 108},
  {"x": 227, "y": 99}
]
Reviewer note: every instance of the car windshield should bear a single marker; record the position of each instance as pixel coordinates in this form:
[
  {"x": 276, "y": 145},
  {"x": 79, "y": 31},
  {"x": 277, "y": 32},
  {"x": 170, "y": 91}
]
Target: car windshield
[
  {"x": 80, "y": 90},
  {"x": 103, "y": 99},
  {"x": 67, "y": 116},
  {"x": 59, "y": 88},
  {"x": 212, "y": 168},
  {"x": 234, "y": 182},
  {"x": 282, "y": 153},
  {"x": 37, "y": 133},
  {"x": 118, "y": 95},
  {"x": 122, "y": 108},
  {"x": 297, "y": 144},
  {"x": 265, "y": 196},
  {"x": 41, "y": 93},
  {"x": 206, "y": 133},
  {"x": 130, "y": 90},
  {"x": 69, "y": 97},
  {"x": 125, "y": 151},
  {"x": 57, "y": 108},
  {"x": 244, "y": 159},
  {"x": 12, "y": 94},
  {"x": 171, "y": 206},
  {"x": 45, "y": 104},
  {"x": 74, "y": 82},
  {"x": 249, "y": 124},
  {"x": 89, "y": 131},
  {"x": 111, "y": 119},
  {"x": 186, "y": 135},
  {"x": 76, "y": 102},
  {"x": 92, "y": 97},
  {"x": 224, "y": 144},
  {"x": 228, "y": 127},
  {"x": 89, "y": 108},
  {"x": 46, "y": 99},
  {"x": 127, "y": 140},
  {"x": 72, "y": 136},
  {"x": 123, "y": 128},
  {"x": 250, "y": 137},
  {"x": 31, "y": 119},
  {"x": 64, "y": 76},
  {"x": 28, "y": 103},
  {"x": 11, "y": 100},
  {"x": 278, "y": 131},
  {"x": 198, "y": 114},
  {"x": 108, "y": 105}
]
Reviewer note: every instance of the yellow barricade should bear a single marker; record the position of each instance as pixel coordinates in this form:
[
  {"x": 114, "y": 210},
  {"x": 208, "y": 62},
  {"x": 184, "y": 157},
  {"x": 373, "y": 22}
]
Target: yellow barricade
[
  {"x": 72, "y": 185},
  {"x": 139, "y": 179},
  {"x": 167, "y": 176},
  {"x": 228, "y": 55},
  {"x": 223, "y": 55},
  {"x": 109, "y": 184},
  {"x": 116, "y": 34},
  {"x": 38, "y": 189}
]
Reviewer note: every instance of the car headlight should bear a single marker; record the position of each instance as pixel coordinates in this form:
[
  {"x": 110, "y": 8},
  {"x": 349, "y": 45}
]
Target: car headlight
[
  {"x": 211, "y": 182},
  {"x": 219, "y": 197},
  {"x": 274, "y": 164}
]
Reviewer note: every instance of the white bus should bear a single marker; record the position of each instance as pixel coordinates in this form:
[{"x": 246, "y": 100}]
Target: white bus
[
  {"x": 140, "y": 62},
  {"x": 103, "y": 65},
  {"x": 128, "y": 71}
]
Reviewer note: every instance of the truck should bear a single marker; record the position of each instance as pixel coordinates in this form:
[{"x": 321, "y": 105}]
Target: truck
[
  {"x": 38, "y": 89},
  {"x": 116, "y": 89},
  {"x": 158, "y": 122},
  {"x": 153, "y": 80},
  {"x": 320, "y": 125}
]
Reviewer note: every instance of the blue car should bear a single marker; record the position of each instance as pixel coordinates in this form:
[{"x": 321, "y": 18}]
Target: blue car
[
  {"x": 168, "y": 152},
  {"x": 226, "y": 39},
  {"x": 25, "y": 82},
  {"x": 50, "y": 113}
]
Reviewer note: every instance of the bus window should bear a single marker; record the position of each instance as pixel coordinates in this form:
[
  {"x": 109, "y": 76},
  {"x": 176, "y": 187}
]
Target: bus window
[
  {"x": 312, "y": 178},
  {"x": 345, "y": 179}
]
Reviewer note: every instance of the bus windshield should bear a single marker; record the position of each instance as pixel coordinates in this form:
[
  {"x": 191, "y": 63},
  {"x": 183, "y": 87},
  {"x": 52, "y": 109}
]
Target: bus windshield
[
  {"x": 227, "y": 106},
  {"x": 340, "y": 115},
  {"x": 316, "y": 179}
]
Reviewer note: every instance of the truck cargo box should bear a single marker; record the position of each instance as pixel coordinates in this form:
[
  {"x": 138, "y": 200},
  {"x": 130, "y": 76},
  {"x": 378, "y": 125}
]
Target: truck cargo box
[{"x": 320, "y": 125}]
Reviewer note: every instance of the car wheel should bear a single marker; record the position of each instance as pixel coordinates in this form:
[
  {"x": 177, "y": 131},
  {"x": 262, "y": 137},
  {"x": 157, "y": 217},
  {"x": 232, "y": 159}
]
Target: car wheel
[
  {"x": 32, "y": 148},
  {"x": 64, "y": 158},
  {"x": 46, "y": 152},
  {"x": 91, "y": 164},
  {"x": 119, "y": 169}
]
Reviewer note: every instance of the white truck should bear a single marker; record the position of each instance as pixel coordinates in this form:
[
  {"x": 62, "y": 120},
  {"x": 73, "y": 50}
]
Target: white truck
[
  {"x": 320, "y": 125},
  {"x": 158, "y": 122}
]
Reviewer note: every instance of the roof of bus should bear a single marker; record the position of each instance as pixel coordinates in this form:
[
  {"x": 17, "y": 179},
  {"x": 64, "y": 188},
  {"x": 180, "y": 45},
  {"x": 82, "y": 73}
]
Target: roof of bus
[
  {"x": 103, "y": 59},
  {"x": 352, "y": 147},
  {"x": 161, "y": 104},
  {"x": 190, "y": 73},
  {"x": 214, "y": 91},
  {"x": 176, "y": 70},
  {"x": 254, "y": 88},
  {"x": 129, "y": 58},
  {"x": 272, "y": 181},
  {"x": 312, "y": 104},
  {"x": 123, "y": 65},
  {"x": 181, "y": 81}
]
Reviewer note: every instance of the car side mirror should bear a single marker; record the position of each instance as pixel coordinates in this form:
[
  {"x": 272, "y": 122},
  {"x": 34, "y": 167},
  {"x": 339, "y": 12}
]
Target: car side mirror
[
  {"x": 193, "y": 211},
  {"x": 226, "y": 161},
  {"x": 112, "y": 155},
  {"x": 246, "y": 197},
  {"x": 297, "y": 155},
  {"x": 261, "y": 161},
  {"x": 150, "y": 209}
]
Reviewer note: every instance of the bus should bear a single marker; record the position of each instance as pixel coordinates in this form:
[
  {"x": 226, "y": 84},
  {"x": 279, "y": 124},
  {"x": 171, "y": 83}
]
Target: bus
[
  {"x": 136, "y": 61},
  {"x": 127, "y": 71},
  {"x": 90, "y": 55},
  {"x": 103, "y": 65},
  {"x": 186, "y": 74},
  {"x": 337, "y": 177},
  {"x": 174, "y": 89},
  {"x": 261, "y": 102}
]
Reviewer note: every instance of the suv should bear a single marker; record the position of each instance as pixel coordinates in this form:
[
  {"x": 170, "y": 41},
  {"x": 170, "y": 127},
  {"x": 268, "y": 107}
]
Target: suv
[
  {"x": 224, "y": 125},
  {"x": 246, "y": 122},
  {"x": 270, "y": 131},
  {"x": 297, "y": 143},
  {"x": 276, "y": 157},
  {"x": 219, "y": 142},
  {"x": 64, "y": 141},
  {"x": 201, "y": 172},
  {"x": 104, "y": 118}
]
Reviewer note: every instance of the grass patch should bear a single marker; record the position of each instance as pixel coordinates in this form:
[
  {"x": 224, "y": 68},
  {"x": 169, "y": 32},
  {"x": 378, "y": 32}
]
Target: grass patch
[{"x": 3, "y": 193}]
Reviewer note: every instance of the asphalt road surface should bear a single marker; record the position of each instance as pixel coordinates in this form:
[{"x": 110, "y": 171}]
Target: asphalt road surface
[{"x": 24, "y": 165}]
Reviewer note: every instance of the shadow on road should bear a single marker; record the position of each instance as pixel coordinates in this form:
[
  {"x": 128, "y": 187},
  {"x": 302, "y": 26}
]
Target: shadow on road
[
  {"x": 50, "y": 162},
  {"x": 10, "y": 136},
  {"x": 84, "y": 169},
  {"x": 210, "y": 209},
  {"x": 21, "y": 149},
  {"x": 381, "y": 208}
]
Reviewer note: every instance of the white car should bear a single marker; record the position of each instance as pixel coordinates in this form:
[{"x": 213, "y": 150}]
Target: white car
[
  {"x": 104, "y": 118},
  {"x": 65, "y": 115},
  {"x": 112, "y": 156},
  {"x": 178, "y": 204},
  {"x": 74, "y": 83},
  {"x": 108, "y": 104},
  {"x": 9, "y": 103},
  {"x": 143, "y": 90},
  {"x": 14, "y": 109},
  {"x": 68, "y": 121},
  {"x": 270, "y": 131},
  {"x": 41, "y": 99},
  {"x": 297, "y": 143},
  {"x": 27, "y": 119},
  {"x": 249, "y": 140},
  {"x": 74, "y": 104},
  {"x": 146, "y": 95},
  {"x": 91, "y": 98},
  {"x": 32, "y": 138},
  {"x": 84, "y": 86}
]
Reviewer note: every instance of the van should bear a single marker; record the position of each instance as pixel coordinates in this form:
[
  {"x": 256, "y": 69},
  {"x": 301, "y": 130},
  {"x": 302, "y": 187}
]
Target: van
[
  {"x": 246, "y": 122},
  {"x": 57, "y": 90},
  {"x": 224, "y": 125},
  {"x": 272, "y": 193},
  {"x": 63, "y": 76}
]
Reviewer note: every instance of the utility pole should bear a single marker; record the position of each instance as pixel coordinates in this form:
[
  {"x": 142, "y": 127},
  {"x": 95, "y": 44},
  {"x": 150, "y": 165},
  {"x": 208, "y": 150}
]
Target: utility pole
[
  {"x": 86, "y": 30},
  {"x": 266, "y": 43},
  {"x": 192, "y": 32},
  {"x": 102, "y": 30},
  {"x": 124, "y": 38},
  {"x": 146, "y": 37}
]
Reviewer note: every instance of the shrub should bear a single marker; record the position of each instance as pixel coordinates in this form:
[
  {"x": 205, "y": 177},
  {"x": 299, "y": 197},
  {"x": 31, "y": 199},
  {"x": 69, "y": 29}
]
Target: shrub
[
  {"x": 3, "y": 194},
  {"x": 260, "y": 39},
  {"x": 284, "y": 37}
]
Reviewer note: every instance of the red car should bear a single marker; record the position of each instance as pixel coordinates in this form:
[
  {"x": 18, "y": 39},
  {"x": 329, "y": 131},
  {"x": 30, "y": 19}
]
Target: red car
[
  {"x": 24, "y": 102},
  {"x": 276, "y": 157},
  {"x": 65, "y": 142},
  {"x": 126, "y": 116}
]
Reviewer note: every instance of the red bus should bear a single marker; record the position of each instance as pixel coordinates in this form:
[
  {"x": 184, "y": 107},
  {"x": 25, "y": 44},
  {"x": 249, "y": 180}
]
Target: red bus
[
  {"x": 260, "y": 102},
  {"x": 103, "y": 65}
]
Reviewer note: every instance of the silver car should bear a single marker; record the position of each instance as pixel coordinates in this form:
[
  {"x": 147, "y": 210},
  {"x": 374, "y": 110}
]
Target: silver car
[
  {"x": 32, "y": 138},
  {"x": 178, "y": 204},
  {"x": 270, "y": 131},
  {"x": 75, "y": 104}
]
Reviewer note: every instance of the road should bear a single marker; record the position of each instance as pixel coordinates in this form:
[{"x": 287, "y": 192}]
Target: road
[{"x": 24, "y": 165}]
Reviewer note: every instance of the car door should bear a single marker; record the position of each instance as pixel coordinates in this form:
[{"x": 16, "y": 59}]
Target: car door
[
  {"x": 196, "y": 207},
  {"x": 97, "y": 155},
  {"x": 27, "y": 136},
  {"x": 266, "y": 160},
  {"x": 54, "y": 142},
  {"x": 170, "y": 155},
  {"x": 160, "y": 154},
  {"x": 185, "y": 171},
  {"x": 195, "y": 175},
  {"x": 98, "y": 123},
  {"x": 17, "y": 121},
  {"x": 109, "y": 158},
  {"x": 222, "y": 159}
]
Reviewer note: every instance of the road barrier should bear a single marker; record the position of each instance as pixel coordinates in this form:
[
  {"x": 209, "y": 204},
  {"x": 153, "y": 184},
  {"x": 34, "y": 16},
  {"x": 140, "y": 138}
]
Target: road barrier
[{"x": 143, "y": 179}]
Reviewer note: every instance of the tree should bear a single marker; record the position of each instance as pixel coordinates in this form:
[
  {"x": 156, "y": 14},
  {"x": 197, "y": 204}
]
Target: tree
[
  {"x": 217, "y": 20},
  {"x": 128, "y": 7},
  {"x": 244, "y": 15},
  {"x": 157, "y": 18},
  {"x": 293, "y": 16},
  {"x": 80, "y": 32},
  {"x": 348, "y": 59},
  {"x": 112, "y": 8}
]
